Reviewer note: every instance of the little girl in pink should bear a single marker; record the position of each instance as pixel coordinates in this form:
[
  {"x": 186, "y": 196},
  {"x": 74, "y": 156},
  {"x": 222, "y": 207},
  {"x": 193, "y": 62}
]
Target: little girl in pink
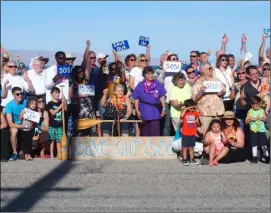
[{"x": 214, "y": 141}]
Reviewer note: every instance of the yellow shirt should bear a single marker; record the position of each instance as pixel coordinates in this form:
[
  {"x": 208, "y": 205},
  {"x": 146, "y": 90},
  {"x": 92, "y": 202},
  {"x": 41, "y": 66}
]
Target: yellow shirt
[{"x": 179, "y": 94}]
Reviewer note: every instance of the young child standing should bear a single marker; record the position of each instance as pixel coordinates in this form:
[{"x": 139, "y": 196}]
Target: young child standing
[
  {"x": 188, "y": 128},
  {"x": 27, "y": 133},
  {"x": 214, "y": 141},
  {"x": 54, "y": 107},
  {"x": 256, "y": 118}
]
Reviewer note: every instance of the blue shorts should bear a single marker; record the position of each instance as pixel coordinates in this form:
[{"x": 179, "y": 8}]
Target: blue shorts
[{"x": 188, "y": 141}]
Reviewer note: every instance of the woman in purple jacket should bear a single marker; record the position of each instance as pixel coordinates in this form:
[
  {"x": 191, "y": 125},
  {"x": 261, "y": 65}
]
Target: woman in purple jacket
[{"x": 150, "y": 104}]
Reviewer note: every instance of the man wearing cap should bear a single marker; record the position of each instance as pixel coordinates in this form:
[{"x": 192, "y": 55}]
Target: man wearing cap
[
  {"x": 37, "y": 76},
  {"x": 70, "y": 59}
]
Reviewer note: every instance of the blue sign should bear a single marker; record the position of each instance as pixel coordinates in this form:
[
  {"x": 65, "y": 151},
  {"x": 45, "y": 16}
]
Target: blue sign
[
  {"x": 143, "y": 41},
  {"x": 267, "y": 32},
  {"x": 120, "y": 46},
  {"x": 64, "y": 70}
]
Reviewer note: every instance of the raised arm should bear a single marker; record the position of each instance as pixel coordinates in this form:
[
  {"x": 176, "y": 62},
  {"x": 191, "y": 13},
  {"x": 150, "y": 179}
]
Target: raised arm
[
  {"x": 224, "y": 42},
  {"x": 87, "y": 63},
  {"x": 86, "y": 53},
  {"x": 243, "y": 44},
  {"x": 148, "y": 54},
  {"x": 261, "y": 50}
]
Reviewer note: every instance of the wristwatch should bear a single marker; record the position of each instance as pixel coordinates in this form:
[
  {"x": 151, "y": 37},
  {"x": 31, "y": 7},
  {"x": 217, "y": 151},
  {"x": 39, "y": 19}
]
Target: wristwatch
[{"x": 164, "y": 109}]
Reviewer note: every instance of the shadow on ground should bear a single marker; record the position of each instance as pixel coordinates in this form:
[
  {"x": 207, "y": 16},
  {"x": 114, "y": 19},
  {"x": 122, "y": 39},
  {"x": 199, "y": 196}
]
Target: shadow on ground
[{"x": 36, "y": 191}]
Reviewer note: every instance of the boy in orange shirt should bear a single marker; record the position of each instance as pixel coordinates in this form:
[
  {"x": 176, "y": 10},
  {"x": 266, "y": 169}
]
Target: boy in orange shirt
[{"x": 190, "y": 116}]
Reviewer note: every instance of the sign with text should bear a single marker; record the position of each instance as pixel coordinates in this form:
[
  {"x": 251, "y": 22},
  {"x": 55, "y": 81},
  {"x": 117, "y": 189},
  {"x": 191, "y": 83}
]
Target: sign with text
[
  {"x": 86, "y": 90},
  {"x": 120, "y": 46},
  {"x": 171, "y": 66},
  {"x": 212, "y": 86},
  {"x": 267, "y": 32},
  {"x": 64, "y": 70},
  {"x": 31, "y": 115},
  {"x": 143, "y": 41}
]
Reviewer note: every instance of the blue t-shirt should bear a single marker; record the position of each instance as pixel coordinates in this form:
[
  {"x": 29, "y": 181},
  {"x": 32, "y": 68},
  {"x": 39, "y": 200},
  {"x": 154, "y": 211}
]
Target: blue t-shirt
[{"x": 14, "y": 110}]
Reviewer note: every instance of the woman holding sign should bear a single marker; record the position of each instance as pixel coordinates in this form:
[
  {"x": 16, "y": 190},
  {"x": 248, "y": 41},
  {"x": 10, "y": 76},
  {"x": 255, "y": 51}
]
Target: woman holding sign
[{"x": 81, "y": 94}]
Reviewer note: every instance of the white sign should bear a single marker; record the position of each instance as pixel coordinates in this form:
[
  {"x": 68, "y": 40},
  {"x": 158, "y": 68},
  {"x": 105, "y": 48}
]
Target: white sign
[
  {"x": 31, "y": 115},
  {"x": 247, "y": 56},
  {"x": 86, "y": 90},
  {"x": 170, "y": 66},
  {"x": 212, "y": 86}
]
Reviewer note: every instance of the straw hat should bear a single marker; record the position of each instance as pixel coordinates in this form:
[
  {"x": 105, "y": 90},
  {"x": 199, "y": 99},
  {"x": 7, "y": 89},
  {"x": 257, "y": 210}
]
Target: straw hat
[{"x": 228, "y": 114}]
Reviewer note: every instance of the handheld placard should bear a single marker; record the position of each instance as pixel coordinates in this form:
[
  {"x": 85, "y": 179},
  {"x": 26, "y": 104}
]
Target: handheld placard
[
  {"x": 170, "y": 66},
  {"x": 143, "y": 41},
  {"x": 212, "y": 86},
  {"x": 64, "y": 70},
  {"x": 267, "y": 32},
  {"x": 120, "y": 46}
]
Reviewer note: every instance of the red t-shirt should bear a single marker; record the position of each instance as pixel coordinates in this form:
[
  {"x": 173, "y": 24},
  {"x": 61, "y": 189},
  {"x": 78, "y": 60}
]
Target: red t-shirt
[{"x": 190, "y": 123}]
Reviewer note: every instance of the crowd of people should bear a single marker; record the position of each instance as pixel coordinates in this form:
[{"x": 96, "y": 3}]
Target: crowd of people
[{"x": 128, "y": 97}]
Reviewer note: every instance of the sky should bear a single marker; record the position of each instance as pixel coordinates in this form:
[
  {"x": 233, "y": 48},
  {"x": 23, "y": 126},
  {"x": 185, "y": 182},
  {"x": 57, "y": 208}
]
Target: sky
[{"x": 178, "y": 26}]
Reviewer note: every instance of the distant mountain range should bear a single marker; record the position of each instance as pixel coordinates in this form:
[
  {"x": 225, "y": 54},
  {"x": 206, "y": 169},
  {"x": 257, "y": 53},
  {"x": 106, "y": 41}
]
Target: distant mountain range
[{"x": 26, "y": 56}]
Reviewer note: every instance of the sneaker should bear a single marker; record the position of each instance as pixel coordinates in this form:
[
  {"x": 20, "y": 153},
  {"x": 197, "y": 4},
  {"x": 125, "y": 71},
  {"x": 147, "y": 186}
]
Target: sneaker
[
  {"x": 185, "y": 163},
  {"x": 14, "y": 157},
  {"x": 254, "y": 160},
  {"x": 266, "y": 159},
  {"x": 194, "y": 162}
]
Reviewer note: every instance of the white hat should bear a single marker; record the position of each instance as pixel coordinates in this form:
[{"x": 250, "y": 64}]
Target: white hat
[
  {"x": 69, "y": 55},
  {"x": 101, "y": 55}
]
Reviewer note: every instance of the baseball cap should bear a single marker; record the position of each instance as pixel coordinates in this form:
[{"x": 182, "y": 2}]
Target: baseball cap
[{"x": 101, "y": 55}]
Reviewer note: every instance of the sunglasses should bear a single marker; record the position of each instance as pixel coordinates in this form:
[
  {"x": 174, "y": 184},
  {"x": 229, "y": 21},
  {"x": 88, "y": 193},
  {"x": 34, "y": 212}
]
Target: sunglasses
[
  {"x": 241, "y": 73},
  {"x": 132, "y": 59},
  {"x": 224, "y": 59},
  {"x": 79, "y": 71},
  {"x": 39, "y": 102},
  {"x": 92, "y": 57},
  {"x": 210, "y": 68},
  {"x": 61, "y": 58},
  {"x": 18, "y": 94},
  {"x": 264, "y": 69},
  {"x": 193, "y": 56},
  {"x": 12, "y": 66},
  {"x": 174, "y": 59},
  {"x": 143, "y": 60},
  {"x": 191, "y": 72},
  {"x": 254, "y": 73},
  {"x": 69, "y": 59}
]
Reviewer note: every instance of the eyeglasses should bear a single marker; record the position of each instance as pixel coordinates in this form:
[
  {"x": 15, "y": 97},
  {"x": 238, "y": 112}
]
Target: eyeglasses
[
  {"x": 264, "y": 69},
  {"x": 191, "y": 72},
  {"x": 193, "y": 56},
  {"x": 174, "y": 59},
  {"x": 254, "y": 73},
  {"x": 61, "y": 58},
  {"x": 18, "y": 94},
  {"x": 224, "y": 59},
  {"x": 131, "y": 59},
  {"x": 143, "y": 60},
  {"x": 92, "y": 57},
  {"x": 12, "y": 66},
  {"x": 241, "y": 73}
]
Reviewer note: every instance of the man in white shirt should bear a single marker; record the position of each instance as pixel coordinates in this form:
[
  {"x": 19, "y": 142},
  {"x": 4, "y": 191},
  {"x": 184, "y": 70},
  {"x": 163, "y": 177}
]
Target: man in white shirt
[
  {"x": 37, "y": 76},
  {"x": 53, "y": 79},
  {"x": 15, "y": 81}
]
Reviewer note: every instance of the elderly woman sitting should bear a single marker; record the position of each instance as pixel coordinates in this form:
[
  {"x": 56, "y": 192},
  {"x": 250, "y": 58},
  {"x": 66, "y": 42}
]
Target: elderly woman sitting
[{"x": 149, "y": 96}]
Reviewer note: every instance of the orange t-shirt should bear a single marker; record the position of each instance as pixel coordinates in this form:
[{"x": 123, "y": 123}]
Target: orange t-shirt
[{"x": 190, "y": 123}]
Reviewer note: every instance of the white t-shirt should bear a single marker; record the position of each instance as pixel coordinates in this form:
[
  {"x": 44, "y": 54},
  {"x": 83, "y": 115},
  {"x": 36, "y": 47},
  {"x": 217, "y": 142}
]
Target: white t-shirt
[
  {"x": 38, "y": 81},
  {"x": 14, "y": 81},
  {"x": 50, "y": 73},
  {"x": 136, "y": 72},
  {"x": 229, "y": 82}
]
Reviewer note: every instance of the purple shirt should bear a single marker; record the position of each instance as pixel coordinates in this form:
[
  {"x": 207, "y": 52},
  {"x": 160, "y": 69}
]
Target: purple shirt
[{"x": 149, "y": 112}]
